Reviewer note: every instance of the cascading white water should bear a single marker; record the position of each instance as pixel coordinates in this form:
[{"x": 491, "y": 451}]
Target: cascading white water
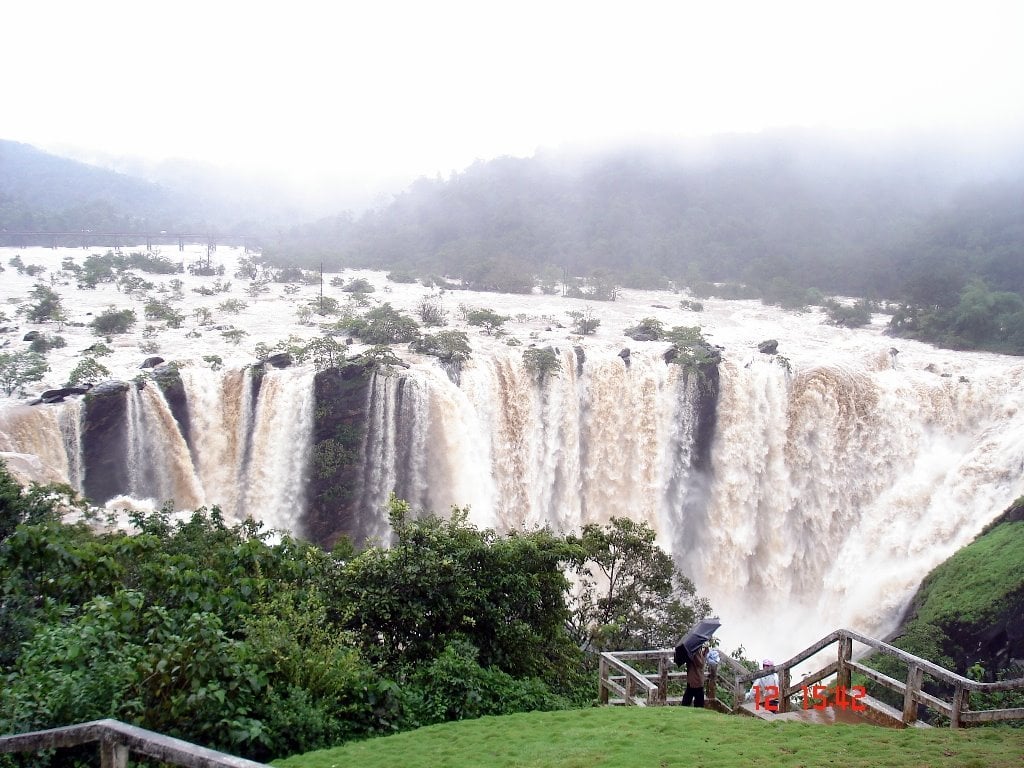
[
  {"x": 70, "y": 420},
  {"x": 247, "y": 455},
  {"x": 831, "y": 490},
  {"x": 159, "y": 464},
  {"x": 580, "y": 448},
  {"x": 836, "y": 489},
  {"x": 827, "y": 494},
  {"x": 33, "y": 444},
  {"x": 220, "y": 410},
  {"x": 276, "y": 470}
]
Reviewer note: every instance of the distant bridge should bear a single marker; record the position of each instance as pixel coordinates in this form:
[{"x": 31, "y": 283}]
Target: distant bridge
[{"x": 117, "y": 240}]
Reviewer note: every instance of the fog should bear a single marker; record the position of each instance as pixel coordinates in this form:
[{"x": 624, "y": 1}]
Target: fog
[{"x": 337, "y": 106}]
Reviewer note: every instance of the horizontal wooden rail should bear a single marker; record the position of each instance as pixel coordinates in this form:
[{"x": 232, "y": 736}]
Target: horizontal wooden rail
[
  {"x": 632, "y": 678},
  {"x": 117, "y": 740},
  {"x": 958, "y": 710}
]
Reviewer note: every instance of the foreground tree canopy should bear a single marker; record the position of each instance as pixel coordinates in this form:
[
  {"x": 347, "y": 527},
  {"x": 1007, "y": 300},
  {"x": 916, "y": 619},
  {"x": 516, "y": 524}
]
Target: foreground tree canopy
[{"x": 263, "y": 645}]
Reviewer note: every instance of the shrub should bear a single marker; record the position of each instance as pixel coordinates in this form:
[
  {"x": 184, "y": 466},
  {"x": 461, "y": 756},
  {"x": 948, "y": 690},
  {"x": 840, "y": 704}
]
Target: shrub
[
  {"x": 234, "y": 335},
  {"x": 648, "y": 329},
  {"x": 488, "y": 319},
  {"x": 88, "y": 370},
  {"x": 232, "y": 306},
  {"x": 113, "y": 321},
  {"x": 156, "y": 309},
  {"x": 20, "y": 368},
  {"x": 542, "y": 362},
  {"x": 452, "y": 346},
  {"x": 46, "y": 305},
  {"x": 855, "y": 316},
  {"x": 584, "y": 322},
  {"x": 43, "y": 343},
  {"x": 431, "y": 311},
  {"x": 385, "y": 325},
  {"x": 358, "y": 285}
]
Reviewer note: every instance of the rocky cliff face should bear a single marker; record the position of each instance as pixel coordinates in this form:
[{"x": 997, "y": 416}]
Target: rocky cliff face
[
  {"x": 169, "y": 380},
  {"x": 339, "y": 425},
  {"x": 105, "y": 441}
]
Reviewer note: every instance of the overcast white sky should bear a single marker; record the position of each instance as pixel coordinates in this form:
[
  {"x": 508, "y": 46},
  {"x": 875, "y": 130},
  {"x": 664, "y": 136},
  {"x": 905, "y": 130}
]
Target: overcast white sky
[{"x": 387, "y": 88}]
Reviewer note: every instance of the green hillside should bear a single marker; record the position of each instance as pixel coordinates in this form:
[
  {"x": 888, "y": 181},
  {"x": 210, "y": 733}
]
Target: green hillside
[
  {"x": 970, "y": 610},
  {"x": 40, "y": 192},
  {"x": 664, "y": 737}
]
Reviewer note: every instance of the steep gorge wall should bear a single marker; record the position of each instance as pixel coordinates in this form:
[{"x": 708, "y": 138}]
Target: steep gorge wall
[
  {"x": 105, "y": 442},
  {"x": 339, "y": 425}
]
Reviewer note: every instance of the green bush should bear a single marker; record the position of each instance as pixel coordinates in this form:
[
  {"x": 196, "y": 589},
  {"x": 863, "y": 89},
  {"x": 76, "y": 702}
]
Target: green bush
[{"x": 113, "y": 321}]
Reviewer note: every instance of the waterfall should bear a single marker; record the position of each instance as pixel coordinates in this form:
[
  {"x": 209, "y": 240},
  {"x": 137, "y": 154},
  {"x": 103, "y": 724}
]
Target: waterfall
[
  {"x": 159, "y": 463},
  {"x": 70, "y": 420},
  {"x": 33, "y": 444},
  {"x": 825, "y": 493},
  {"x": 836, "y": 489},
  {"x": 828, "y": 493},
  {"x": 276, "y": 469},
  {"x": 572, "y": 450},
  {"x": 221, "y": 414}
]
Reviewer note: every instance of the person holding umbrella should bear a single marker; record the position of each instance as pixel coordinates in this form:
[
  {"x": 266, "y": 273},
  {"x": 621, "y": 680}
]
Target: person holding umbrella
[
  {"x": 693, "y": 651},
  {"x": 695, "y": 666}
]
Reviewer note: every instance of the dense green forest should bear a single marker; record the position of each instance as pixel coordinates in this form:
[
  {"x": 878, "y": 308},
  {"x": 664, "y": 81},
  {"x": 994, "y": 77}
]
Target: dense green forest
[
  {"x": 789, "y": 220},
  {"x": 263, "y": 645}
]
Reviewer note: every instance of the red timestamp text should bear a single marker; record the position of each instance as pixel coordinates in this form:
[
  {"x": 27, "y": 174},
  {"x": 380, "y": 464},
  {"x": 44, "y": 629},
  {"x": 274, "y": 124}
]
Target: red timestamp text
[{"x": 814, "y": 697}]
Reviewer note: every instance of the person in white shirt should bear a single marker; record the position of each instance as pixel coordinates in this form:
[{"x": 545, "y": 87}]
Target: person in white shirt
[{"x": 764, "y": 682}]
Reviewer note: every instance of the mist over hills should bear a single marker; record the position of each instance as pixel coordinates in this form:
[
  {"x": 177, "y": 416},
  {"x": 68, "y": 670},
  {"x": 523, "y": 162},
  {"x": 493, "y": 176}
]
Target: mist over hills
[
  {"x": 817, "y": 212},
  {"x": 931, "y": 224},
  {"x": 43, "y": 192}
]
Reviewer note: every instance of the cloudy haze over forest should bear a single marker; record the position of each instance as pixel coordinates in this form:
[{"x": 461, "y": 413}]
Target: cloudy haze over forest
[{"x": 356, "y": 100}]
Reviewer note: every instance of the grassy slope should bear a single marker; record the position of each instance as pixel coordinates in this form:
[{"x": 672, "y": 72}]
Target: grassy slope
[
  {"x": 668, "y": 736},
  {"x": 961, "y": 600}
]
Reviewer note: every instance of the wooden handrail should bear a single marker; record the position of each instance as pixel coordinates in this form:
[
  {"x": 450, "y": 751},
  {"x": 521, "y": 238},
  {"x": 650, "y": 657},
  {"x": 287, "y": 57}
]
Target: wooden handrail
[
  {"x": 632, "y": 678},
  {"x": 117, "y": 740},
  {"x": 958, "y": 710}
]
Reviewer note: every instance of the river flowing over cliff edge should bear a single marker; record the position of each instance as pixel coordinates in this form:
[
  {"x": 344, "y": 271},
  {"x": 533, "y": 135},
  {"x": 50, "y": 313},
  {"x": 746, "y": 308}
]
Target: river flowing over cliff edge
[{"x": 801, "y": 491}]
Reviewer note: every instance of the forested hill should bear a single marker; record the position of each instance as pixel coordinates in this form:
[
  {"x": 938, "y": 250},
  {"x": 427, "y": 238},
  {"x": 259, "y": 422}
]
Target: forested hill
[
  {"x": 885, "y": 223},
  {"x": 40, "y": 192}
]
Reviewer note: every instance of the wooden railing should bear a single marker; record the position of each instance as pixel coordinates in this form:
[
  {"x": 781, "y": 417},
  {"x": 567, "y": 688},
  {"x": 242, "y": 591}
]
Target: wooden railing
[
  {"x": 117, "y": 739},
  {"x": 637, "y": 688},
  {"x": 622, "y": 683}
]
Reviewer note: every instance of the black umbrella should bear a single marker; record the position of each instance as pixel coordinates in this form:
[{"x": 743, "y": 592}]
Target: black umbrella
[{"x": 699, "y": 634}]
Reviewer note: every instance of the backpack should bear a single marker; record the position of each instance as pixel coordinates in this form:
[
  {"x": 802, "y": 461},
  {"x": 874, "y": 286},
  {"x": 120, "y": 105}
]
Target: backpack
[{"x": 681, "y": 655}]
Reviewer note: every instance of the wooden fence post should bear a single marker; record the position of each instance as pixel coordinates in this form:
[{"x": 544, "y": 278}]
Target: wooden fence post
[
  {"x": 844, "y": 672},
  {"x": 602, "y": 688},
  {"x": 784, "y": 681},
  {"x": 663, "y": 679},
  {"x": 914, "y": 677},
  {"x": 961, "y": 703},
  {"x": 113, "y": 754},
  {"x": 711, "y": 683}
]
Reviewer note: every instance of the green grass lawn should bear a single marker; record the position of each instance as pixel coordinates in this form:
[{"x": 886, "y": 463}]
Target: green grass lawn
[{"x": 663, "y": 737}]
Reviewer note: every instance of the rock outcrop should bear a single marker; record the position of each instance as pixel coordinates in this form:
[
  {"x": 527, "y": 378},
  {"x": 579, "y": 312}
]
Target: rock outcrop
[
  {"x": 105, "y": 441},
  {"x": 342, "y": 398}
]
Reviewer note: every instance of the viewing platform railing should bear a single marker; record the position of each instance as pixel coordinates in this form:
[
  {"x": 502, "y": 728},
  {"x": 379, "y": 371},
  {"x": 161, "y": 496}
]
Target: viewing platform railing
[
  {"x": 116, "y": 740},
  {"x": 622, "y": 683}
]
